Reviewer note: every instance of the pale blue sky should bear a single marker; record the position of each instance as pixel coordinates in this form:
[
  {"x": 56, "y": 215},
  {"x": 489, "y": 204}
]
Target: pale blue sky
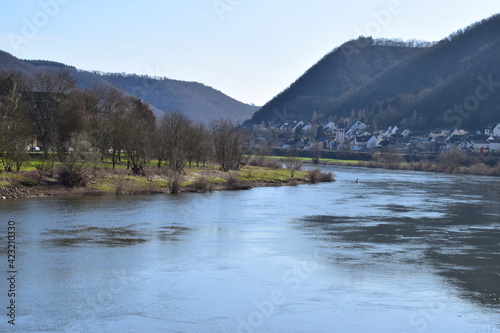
[{"x": 248, "y": 49}]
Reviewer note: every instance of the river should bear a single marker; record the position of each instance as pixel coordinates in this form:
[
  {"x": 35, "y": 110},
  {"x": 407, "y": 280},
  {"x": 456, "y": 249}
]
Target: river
[{"x": 401, "y": 251}]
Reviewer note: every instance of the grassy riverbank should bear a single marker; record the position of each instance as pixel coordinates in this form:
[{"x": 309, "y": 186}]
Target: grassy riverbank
[
  {"x": 453, "y": 162},
  {"x": 35, "y": 181}
]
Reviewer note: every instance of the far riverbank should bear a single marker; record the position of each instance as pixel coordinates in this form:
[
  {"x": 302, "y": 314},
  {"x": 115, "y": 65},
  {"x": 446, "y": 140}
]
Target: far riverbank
[{"x": 453, "y": 162}]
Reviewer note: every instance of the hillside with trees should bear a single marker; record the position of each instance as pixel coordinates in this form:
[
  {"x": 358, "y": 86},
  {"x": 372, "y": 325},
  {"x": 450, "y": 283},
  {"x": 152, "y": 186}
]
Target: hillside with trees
[
  {"x": 420, "y": 85},
  {"x": 340, "y": 72},
  {"x": 196, "y": 101},
  {"x": 56, "y": 138}
]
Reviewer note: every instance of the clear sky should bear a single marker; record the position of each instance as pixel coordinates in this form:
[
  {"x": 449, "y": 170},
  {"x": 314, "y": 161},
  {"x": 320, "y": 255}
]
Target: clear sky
[{"x": 248, "y": 49}]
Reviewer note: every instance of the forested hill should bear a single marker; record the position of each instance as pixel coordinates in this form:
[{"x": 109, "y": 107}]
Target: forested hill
[
  {"x": 195, "y": 100},
  {"x": 198, "y": 102},
  {"x": 10, "y": 63},
  {"x": 344, "y": 70},
  {"x": 422, "y": 86}
]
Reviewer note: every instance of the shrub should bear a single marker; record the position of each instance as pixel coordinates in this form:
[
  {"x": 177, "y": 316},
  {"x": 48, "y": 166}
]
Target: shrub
[
  {"x": 36, "y": 176},
  {"x": 254, "y": 162},
  {"x": 423, "y": 166},
  {"x": 451, "y": 161},
  {"x": 481, "y": 169},
  {"x": 316, "y": 175},
  {"x": 71, "y": 178},
  {"x": 202, "y": 184},
  {"x": 327, "y": 177},
  {"x": 272, "y": 163},
  {"x": 174, "y": 182},
  {"x": 80, "y": 162},
  {"x": 233, "y": 183}
]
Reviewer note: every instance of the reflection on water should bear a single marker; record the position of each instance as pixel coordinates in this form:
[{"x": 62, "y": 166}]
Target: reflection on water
[
  {"x": 113, "y": 236},
  {"x": 468, "y": 257},
  {"x": 398, "y": 252},
  {"x": 451, "y": 225}
]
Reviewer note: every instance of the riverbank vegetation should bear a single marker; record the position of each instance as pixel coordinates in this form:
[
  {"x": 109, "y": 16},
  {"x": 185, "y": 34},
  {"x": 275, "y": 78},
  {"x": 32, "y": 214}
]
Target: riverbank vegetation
[
  {"x": 57, "y": 138},
  {"x": 454, "y": 162},
  {"x": 38, "y": 179}
]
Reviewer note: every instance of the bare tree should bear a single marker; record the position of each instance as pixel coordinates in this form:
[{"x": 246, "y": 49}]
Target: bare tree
[
  {"x": 160, "y": 139},
  {"x": 316, "y": 152},
  {"x": 176, "y": 134},
  {"x": 262, "y": 150},
  {"x": 107, "y": 107},
  {"x": 174, "y": 180},
  {"x": 228, "y": 143},
  {"x": 47, "y": 92},
  {"x": 72, "y": 119},
  {"x": 80, "y": 161},
  {"x": 139, "y": 125},
  {"x": 15, "y": 128},
  {"x": 201, "y": 146},
  {"x": 292, "y": 160}
]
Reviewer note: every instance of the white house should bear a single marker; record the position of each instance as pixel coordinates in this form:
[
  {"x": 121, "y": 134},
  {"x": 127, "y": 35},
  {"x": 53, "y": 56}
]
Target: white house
[
  {"x": 364, "y": 142},
  {"x": 406, "y": 133},
  {"x": 357, "y": 126},
  {"x": 459, "y": 132},
  {"x": 480, "y": 143},
  {"x": 372, "y": 143},
  {"x": 496, "y": 130},
  {"x": 306, "y": 127},
  {"x": 331, "y": 127},
  {"x": 390, "y": 131},
  {"x": 494, "y": 145}
]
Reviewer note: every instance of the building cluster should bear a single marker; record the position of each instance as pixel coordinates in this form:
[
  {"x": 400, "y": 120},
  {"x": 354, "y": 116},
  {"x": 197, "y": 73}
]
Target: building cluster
[{"x": 357, "y": 136}]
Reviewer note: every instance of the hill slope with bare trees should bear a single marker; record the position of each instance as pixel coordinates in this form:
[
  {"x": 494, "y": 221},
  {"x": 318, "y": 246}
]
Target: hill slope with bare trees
[
  {"x": 452, "y": 83},
  {"x": 196, "y": 101}
]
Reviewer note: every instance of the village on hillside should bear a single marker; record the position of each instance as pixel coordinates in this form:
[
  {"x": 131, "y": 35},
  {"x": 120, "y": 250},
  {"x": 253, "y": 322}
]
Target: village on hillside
[{"x": 357, "y": 136}]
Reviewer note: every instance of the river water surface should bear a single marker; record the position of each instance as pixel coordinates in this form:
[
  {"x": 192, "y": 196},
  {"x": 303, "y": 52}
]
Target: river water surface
[{"x": 398, "y": 252}]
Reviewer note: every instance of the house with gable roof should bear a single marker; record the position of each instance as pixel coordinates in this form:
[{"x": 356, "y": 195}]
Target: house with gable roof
[{"x": 496, "y": 130}]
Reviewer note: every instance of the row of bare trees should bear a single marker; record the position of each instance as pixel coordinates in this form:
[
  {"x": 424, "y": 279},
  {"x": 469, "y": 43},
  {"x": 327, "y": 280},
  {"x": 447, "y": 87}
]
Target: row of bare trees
[{"x": 71, "y": 123}]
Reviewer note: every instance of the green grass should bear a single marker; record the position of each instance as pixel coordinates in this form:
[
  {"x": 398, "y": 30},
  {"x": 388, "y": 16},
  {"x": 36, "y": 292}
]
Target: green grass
[
  {"x": 107, "y": 163},
  {"x": 260, "y": 174},
  {"x": 34, "y": 163},
  {"x": 325, "y": 160},
  {"x": 10, "y": 178},
  {"x": 127, "y": 184},
  {"x": 216, "y": 180},
  {"x": 122, "y": 181},
  {"x": 211, "y": 179},
  {"x": 343, "y": 162}
]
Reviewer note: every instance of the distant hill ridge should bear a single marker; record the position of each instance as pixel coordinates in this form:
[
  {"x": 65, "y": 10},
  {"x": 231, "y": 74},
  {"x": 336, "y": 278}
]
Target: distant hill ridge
[
  {"x": 195, "y": 100},
  {"x": 422, "y": 85}
]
